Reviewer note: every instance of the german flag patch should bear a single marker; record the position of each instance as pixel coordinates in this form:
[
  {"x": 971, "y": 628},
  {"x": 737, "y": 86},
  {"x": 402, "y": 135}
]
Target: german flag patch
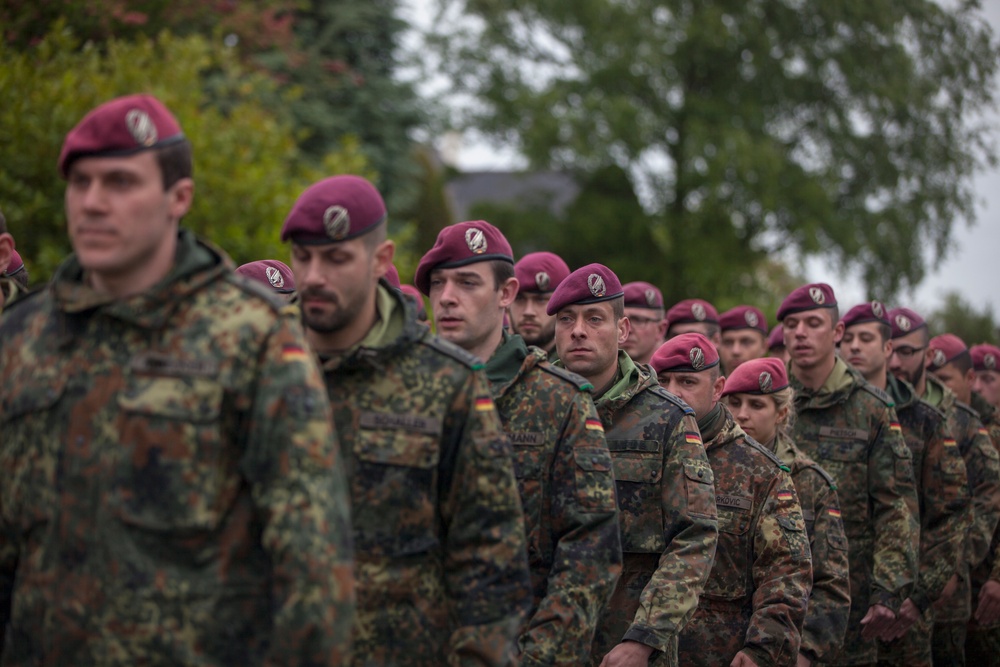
[
  {"x": 983, "y": 431},
  {"x": 594, "y": 425},
  {"x": 692, "y": 438},
  {"x": 894, "y": 426},
  {"x": 950, "y": 442},
  {"x": 785, "y": 495},
  {"x": 484, "y": 404},
  {"x": 833, "y": 511},
  {"x": 293, "y": 353}
]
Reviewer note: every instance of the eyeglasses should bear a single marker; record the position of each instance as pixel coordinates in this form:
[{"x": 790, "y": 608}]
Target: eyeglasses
[
  {"x": 643, "y": 321},
  {"x": 907, "y": 352}
]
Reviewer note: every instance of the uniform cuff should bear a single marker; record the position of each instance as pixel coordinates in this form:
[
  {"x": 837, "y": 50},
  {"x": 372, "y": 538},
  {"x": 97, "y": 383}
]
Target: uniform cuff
[
  {"x": 646, "y": 636},
  {"x": 886, "y": 599}
]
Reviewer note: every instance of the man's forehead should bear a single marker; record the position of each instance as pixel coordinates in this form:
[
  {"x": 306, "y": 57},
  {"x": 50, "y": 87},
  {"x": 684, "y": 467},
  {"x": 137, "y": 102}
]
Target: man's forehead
[
  {"x": 912, "y": 339},
  {"x": 863, "y": 327},
  {"x": 742, "y": 334},
  {"x": 643, "y": 312},
  {"x": 585, "y": 308},
  {"x": 478, "y": 269},
  {"x": 821, "y": 313}
]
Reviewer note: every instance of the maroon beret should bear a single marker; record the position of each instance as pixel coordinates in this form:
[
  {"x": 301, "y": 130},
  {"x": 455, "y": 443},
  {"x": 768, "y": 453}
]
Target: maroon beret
[
  {"x": 873, "y": 311},
  {"x": 392, "y": 276},
  {"x": 123, "y": 126},
  {"x": 272, "y": 273},
  {"x": 588, "y": 284},
  {"x": 686, "y": 353},
  {"x": 413, "y": 292},
  {"x": 807, "y": 297},
  {"x": 985, "y": 357},
  {"x": 904, "y": 321},
  {"x": 692, "y": 310},
  {"x": 944, "y": 349},
  {"x": 540, "y": 272},
  {"x": 643, "y": 295},
  {"x": 743, "y": 317},
  {"x": 460, "y": 245},
  {"x": 335, "y": 209},
  {"x": 15, "y": 264},
  {"x": 757, "y": 376},
  {"x": 776, "y": 339}
]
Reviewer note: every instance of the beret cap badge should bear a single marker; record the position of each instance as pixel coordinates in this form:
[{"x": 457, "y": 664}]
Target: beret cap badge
[
  {"x": 903, "y": 322},
  {"x": 751, "y": 318},
  {"x": 878, "y": 309},
  {"x": 336, "y": 222},
  {"x": 141, "y": 127},
  {"x": 542, "y": 281},
  {"x": 816, "y": 294},
  {"x": 274, "y": 277},
  {"x": 476, "y": 240},
  {"x": 698, "y": 311},
  {"x": 697, "y": 358},
  {"x": 596, "y": 285},
  {"x": 990, "y": 361},
  {"x": 650, "y": 297},
  {"x": 766, "y": 382},
  {"x": 939, "y": 358}
]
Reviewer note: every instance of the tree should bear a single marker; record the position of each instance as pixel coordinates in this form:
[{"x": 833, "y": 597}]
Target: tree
[
  {"x": 831, "y": 127},
  {"x": 248, "y": 168},
  {"x": 959, "y": 317}
]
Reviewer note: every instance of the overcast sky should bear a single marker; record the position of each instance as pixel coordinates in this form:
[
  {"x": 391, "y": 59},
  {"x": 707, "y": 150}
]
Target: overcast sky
[{"x": 972, "y": 268}]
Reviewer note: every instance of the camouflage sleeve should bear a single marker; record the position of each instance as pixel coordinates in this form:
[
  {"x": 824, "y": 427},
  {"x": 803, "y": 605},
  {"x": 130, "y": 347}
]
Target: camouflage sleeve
[
  {"x": 8, "y": 567},
  {"x": 292, "y": 463},
  {"x": 892, "y": 493},
  {"x": 944, "y": 515},
  {"x": 486, "y": 562},
  {"x": 983, "y": 468},
  {"x": 782, "y": 577},
  {"x": 588, "y": 554},
  {"x": 830, "y": 600},
  {"x": 691, "y": 533}
]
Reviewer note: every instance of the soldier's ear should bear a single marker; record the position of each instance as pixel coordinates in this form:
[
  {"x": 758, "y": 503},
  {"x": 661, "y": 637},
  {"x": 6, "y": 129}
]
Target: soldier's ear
[
  {"x": 508, "y": 291},
  {"x": 6, "y": 250},
  {"x": 384, "y": 252}
]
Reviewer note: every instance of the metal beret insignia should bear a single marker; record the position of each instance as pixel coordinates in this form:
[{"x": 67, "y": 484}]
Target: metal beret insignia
[
  {"x": 542, "y": 281},
  {"x": 336, "y": 222},
  {"x": 766, "y": 382},
  {"x": 878, "y": 310},
  {"x": 939, "y": 358},
  {"x": 697, "y": 358},
  {"x": 903, "y": 322},
  {"x": 698, "y": 311},
  {"x": 274, "y": 277},
  {"x": 596, "y": 284},
  {"x": 990, "y": 361},
  {"x": 816, "y": 294},
  {"x": 141, "y": 127},
  {"x": 751, "y": 318},
  {"x": 476, "y": 240},
  {"x": 650, "y": 297}
]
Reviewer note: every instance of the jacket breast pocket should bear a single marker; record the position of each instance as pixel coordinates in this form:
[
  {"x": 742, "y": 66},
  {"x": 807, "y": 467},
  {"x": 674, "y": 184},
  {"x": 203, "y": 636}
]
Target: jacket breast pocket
[
  {"x": 175, "y": 472},
  {"x": 30, "y": 449},
  {"x": 847, "y": 461},
  {"x": 638, "y": 474},
  {"x": 731, "y": 570},
  {"x": 395, "y": 492}
]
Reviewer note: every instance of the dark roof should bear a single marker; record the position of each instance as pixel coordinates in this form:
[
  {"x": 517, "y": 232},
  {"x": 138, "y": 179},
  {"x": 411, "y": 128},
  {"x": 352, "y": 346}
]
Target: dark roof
[{"x": 553, "y": 190}]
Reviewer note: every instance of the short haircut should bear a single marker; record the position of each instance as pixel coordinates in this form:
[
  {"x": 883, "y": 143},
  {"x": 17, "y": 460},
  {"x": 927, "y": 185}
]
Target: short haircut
[
  {"x": 618, "y": 307},
  {"x": 502, "y": 272},
  {"x": 175, "y": 162},
  {"x": 885, "y": 331},
  {"x": 375, "y": 236},
  {"x": 962, "y": 362},
  {"x": 713, "y": 330}
]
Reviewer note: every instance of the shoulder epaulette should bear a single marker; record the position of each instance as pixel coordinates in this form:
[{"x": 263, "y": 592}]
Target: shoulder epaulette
[
  {"x": 256, "y": 289},
  {"x": 968, "y": 408},
  {"x": 766, "y": 452},
  {"x": 878, "y": 393},
  {"x": 663, "y": 393},
  {"x": 822, "y": 473},
  {"x": 579, "y": 382},
  {"x": 453, "y": 351}
]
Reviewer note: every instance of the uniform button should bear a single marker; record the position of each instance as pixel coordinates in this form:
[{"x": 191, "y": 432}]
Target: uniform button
[
  {"x": 594, "y": 460},
  {"x": 701, "y": 473}
]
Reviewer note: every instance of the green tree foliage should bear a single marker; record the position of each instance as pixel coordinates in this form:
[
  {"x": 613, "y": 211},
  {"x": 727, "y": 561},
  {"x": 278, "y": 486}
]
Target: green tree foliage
[
  {"x": 961, "y": 318},
  {"x": 831, "y": 127},
  {"x": 248, "y": 167}
]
